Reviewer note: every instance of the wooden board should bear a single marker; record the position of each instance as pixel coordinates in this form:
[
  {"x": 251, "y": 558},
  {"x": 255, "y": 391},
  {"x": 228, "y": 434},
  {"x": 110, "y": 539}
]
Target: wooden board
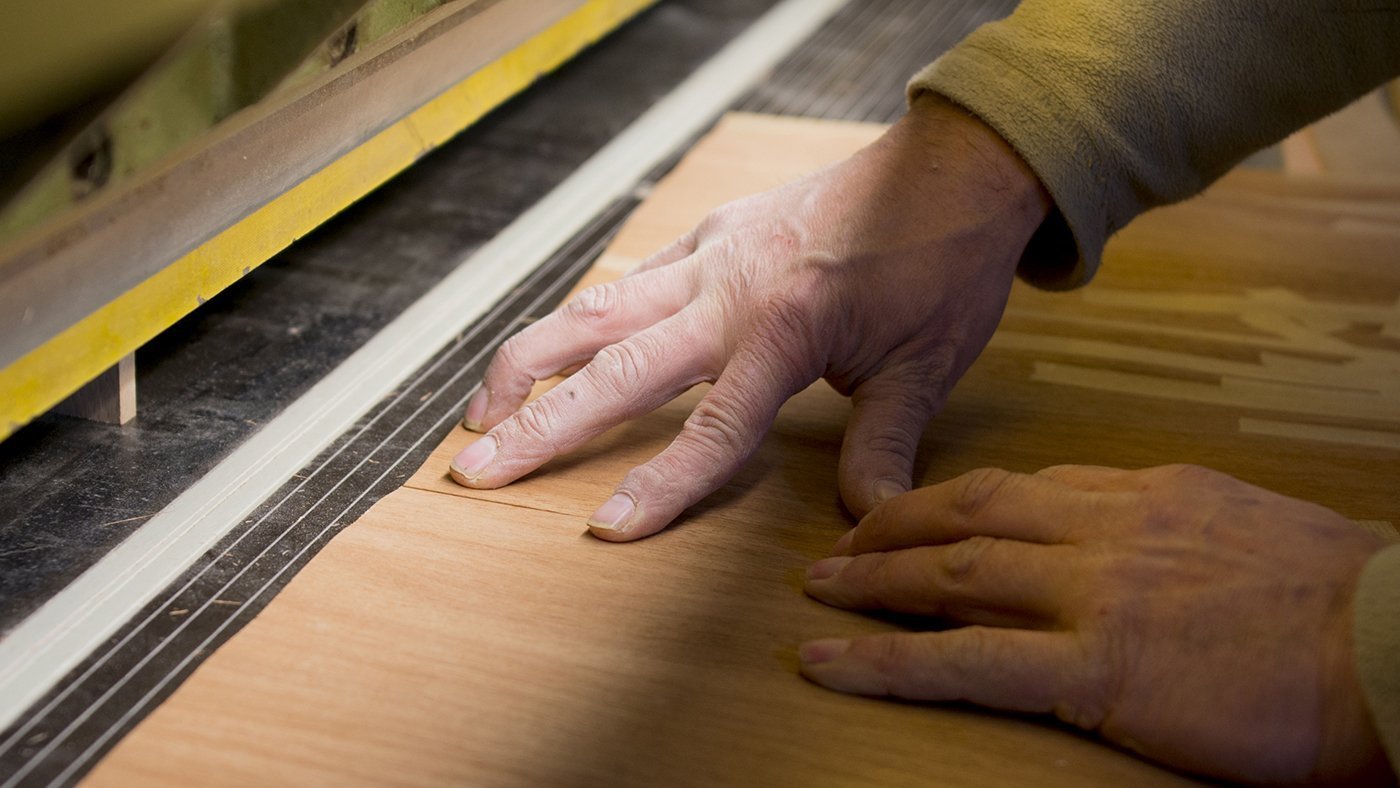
[{"x": 462, "y": 637}]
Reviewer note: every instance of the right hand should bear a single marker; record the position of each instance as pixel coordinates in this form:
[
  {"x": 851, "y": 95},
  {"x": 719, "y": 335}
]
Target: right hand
[
  {"x": 885, "y": 274},
  {"x": 1183, "y": 614}
]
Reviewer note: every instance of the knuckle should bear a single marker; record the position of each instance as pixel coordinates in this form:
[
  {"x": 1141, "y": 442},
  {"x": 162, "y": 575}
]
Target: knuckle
[
  {"x": 784, "y": 333},
  {"x": 671, "y": 482},
  {"x": 977, "y": 489},
  {"x": 973, "y": 647},
  {"x": 959, "y": 567},
  {"x": 781, "y": 316},
  {"x": 886, "y": 583},
  {"x": 1057, "y": 472},
  {"x": 905, "y": 413},
  {"x": 595, "y": 304},
  {"x": 899, "y": 437},
  {"x": 803, "y": 297},
  {"x": 870, "y": 575},
  {"x": 510, "y": 354},
  {"x": 895, "y": 441},
  {"x": 719, "y": 425},
  {"x": 964, "y": 653},
  {"x": 717, "y": 219},
  {"x": 790, "y": 300},
  {"x": 1178, "y": 498},
  {"x": 689, "y": 242},
  {"x": 1086, "y": 712},
  {"x": 535, "y": 424},
  {"x": 888, "y": 656},
  {"x": 924, "y": 383},
  {"x": 927, "y": 388},
  {"x": 684, "y": 246},
  {"x": 620, "y": 368},
  {"x": 1159, "y": 517},
  {"x": 1187, "y": 473}
]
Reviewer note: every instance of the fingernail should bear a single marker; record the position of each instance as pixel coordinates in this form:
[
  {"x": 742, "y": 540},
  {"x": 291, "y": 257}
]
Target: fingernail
[
  {"x": 614, "y": 514},
  {"x": 475, "y": 458},
  {"x": 843, "y": 545},
  {"x": 827, "y": 567},
  {"x": 886, "y": 489},
  {"x": 815, "y": 652},
  {"x": 476, "y": 410}
]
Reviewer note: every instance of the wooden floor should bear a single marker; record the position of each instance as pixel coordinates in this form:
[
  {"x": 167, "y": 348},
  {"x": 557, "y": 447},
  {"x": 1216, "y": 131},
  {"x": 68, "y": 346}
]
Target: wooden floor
[{"x": 462, "y": 637}]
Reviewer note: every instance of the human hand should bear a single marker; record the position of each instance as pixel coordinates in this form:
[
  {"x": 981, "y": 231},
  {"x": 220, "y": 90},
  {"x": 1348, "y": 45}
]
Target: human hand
[
  {"x": 1181, "y": 613},
  {"x": 885, "y": 274}
]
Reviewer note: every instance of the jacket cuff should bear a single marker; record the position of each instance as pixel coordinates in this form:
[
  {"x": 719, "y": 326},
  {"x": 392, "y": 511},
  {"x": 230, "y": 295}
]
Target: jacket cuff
[
  {"x": 1376, "y": 640},
  {"x": 1066, "y": 250}
]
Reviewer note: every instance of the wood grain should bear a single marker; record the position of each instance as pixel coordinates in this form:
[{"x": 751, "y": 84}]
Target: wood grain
[{"x": 464, "y": 637}]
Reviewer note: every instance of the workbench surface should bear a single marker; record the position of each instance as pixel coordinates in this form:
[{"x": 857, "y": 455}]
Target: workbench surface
[{"x": 469, "y": 637}]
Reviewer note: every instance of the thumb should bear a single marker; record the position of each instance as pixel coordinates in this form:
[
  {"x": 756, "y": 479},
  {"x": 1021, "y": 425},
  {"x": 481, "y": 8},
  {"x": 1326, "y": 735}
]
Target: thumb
[{"x": 890, "y": 412}]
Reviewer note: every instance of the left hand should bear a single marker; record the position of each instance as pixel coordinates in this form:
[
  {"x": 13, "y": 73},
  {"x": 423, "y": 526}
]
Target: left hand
[
  {"x": 1179, "y": 612},
  {"x": 885, "y": 274}
]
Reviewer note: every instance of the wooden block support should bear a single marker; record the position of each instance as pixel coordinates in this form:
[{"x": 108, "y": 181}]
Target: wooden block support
[{"x": 110, "y": 397}]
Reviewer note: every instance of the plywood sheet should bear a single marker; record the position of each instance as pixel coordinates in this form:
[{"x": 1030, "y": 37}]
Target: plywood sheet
[{"x": 466, "y": 637}]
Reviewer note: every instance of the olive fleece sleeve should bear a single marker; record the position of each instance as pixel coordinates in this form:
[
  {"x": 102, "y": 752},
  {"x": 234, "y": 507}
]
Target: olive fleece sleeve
[{"x": 1124, "y": 106}]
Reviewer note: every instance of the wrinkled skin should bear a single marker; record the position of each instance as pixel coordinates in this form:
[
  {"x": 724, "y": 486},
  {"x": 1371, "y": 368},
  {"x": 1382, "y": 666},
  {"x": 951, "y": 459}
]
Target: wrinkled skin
[
  {"x": 1179, "y": 612},
  {"x": 885, "y": 274}
]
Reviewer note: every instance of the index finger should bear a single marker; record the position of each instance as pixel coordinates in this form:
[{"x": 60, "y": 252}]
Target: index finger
[
  {"x": 986, "y": 502},
  {"x": 623, "y": 381},
  {"x": 597, "y": 317}
]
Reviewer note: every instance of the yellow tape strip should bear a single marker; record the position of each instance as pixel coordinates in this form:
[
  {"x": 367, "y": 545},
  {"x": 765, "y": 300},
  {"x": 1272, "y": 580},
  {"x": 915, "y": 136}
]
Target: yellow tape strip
[{"x": 42, "y": 378}]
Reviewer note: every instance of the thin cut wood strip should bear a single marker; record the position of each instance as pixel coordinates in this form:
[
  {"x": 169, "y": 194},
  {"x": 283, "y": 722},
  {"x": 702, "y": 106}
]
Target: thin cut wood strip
[
  {"x": 454, "y": 636},
  {"x": 1233, "y": 392},
  {"x": 1071, "y": 313},
  {"x": 1306, "y": 337},
  {"x": 1271, "y": 301},
  {"x": 1321, "y": 432},
  {"x": 1368, "y": 227},
  {"x": 1328, "y": 375},
  {"x": 1359, "y": 373}
]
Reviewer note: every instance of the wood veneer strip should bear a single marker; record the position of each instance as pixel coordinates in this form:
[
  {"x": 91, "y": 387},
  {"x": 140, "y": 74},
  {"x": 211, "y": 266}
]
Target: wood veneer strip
[
  {"x": 1321, "y": 432},
  {"x": 1234, "y": 392}
]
